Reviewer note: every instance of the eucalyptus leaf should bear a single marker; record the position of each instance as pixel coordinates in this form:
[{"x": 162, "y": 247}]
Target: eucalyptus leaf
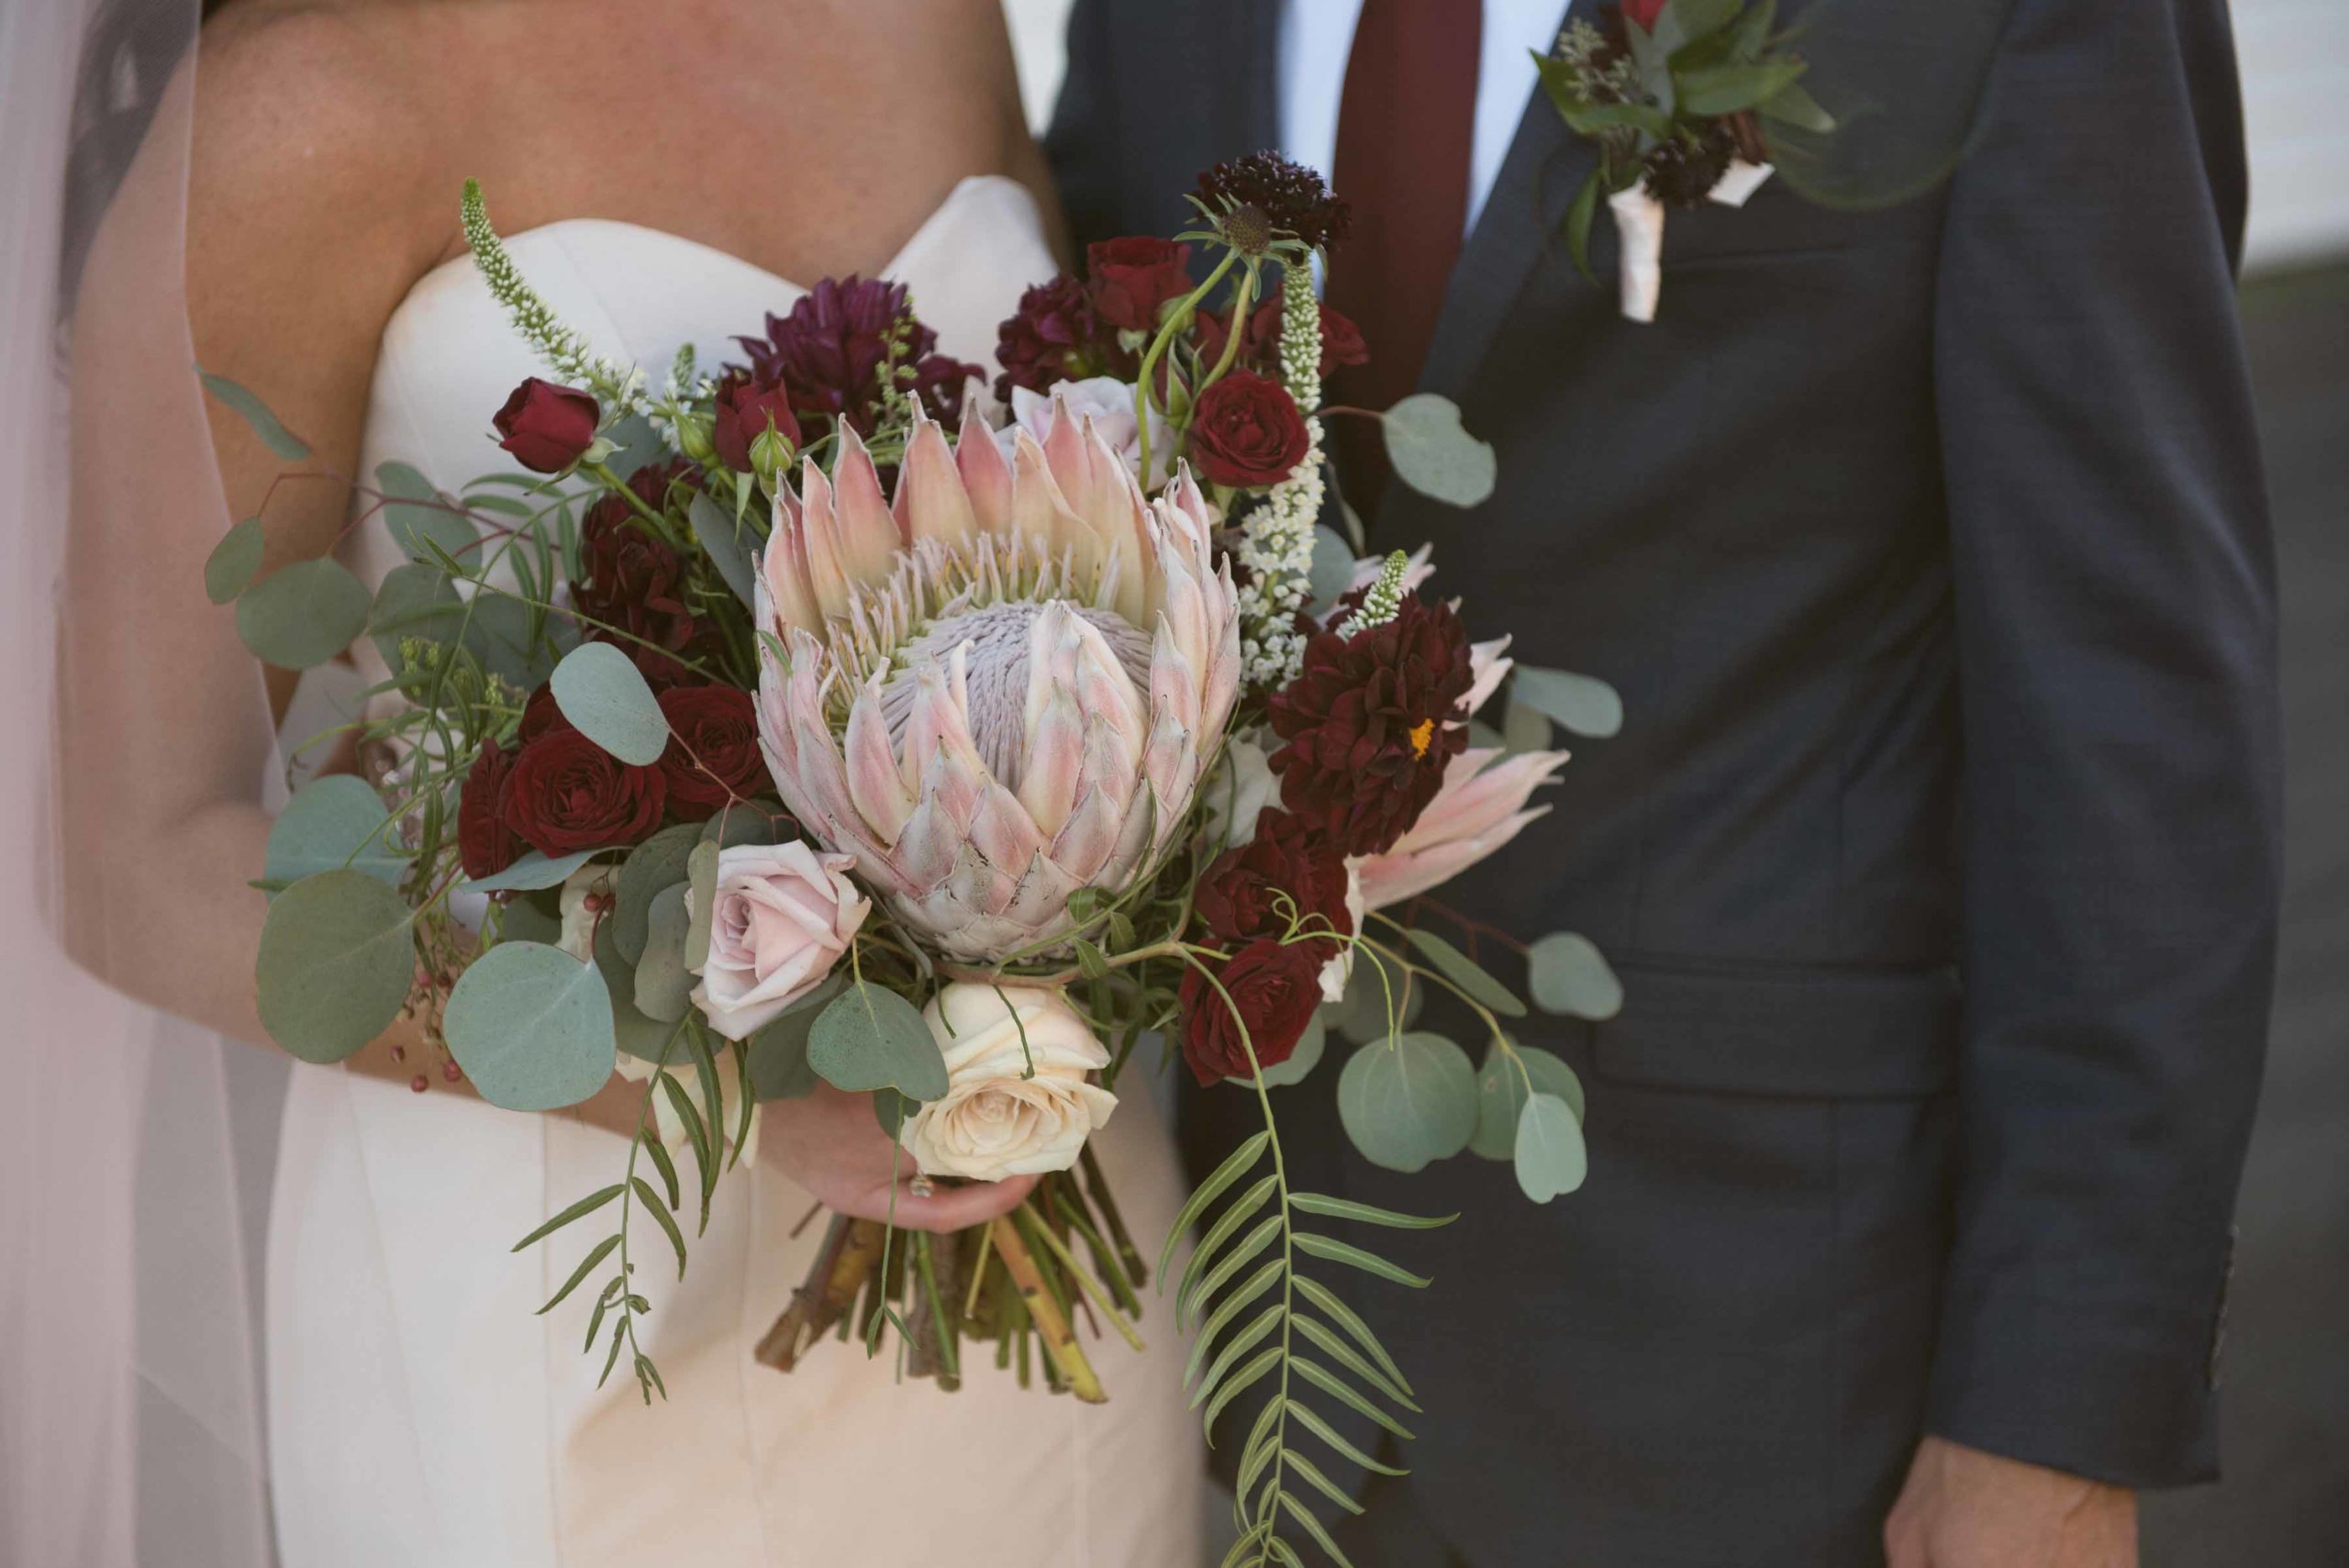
[
  {"x": 749, "y": 822},
  {"x": 637, "y": 1036},
  {"x": 1301, "y": 1061},
  {"x": 604, "y": 694},
  {"x": 1332, "y": 572},
  {"x": 424, "y": 523},
  {"x": 514, "y": 642},
  {"x": 1568, "y": 975},
  {"x": 534, "y": 871},
  {"x": 779, "y": 1066},
  {"x": 636, "y": 441},
  {"x": 1462, "y": 972},
  {"x": 333, "y": 824},
  {"x": 1524, "y": 728},
  {"x": 724, "y": 541},
  {"x": 1410, "y": 1103},
  {"x": 418, "y": 601},
  {"x": 1582, "y": 705},
  {"x": 701, "y": 903},
  {"x": 335, "y": 963},
  {"x": 1361, "y": 1015},
  {"x": 1433, "y": 454},
  {"x": 657, "y": 863},
  {"x": 532, "y": 1026},
  {"x": 230, "y": 570},
  {"x": 1502, "y": 1089},
  {"x": 1551, "y": 1159},
  {"x": 870, "y": 1038},
  {"x": 663, "y": 987},
  {"x": 255, "y": 413},
  {"x": 302, "y": 615}
]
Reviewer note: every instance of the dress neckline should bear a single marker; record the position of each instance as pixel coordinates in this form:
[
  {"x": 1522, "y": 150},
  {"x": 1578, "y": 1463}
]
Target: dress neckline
[{"x": 922, "y": 236}]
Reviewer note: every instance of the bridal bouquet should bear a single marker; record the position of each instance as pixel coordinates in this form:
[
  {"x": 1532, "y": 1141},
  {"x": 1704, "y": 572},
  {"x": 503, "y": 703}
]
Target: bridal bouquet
[{"x": 823, "y": 718}]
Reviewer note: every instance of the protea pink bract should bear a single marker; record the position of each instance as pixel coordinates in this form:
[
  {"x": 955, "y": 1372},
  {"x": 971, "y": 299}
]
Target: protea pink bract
[{"x": 999, "y": 689}]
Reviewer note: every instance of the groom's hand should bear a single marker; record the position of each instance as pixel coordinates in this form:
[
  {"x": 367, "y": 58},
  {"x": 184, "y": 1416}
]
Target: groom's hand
[{"x": 1965, "y": 1508}]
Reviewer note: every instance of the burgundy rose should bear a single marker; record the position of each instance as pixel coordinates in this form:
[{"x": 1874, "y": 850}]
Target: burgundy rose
[
  {"x": 631, "y": 584},
  {"x": 1341, "y": 340},
  {"x": 566, "y": 793},
  {"x": 713, "y": 756},
  {"x": 1643, "y": 12},
  {"x": 546, "y": 427},
  {"x": 1276, "y": 988},
  {"x": 1245, "y": 431},
  {"x": 1128, "y": 279},
  {"x": 484, "y": 842},
  {"x": 1055, "y": 336},
  {"x": 1241, "y": 897},
  {"x": 1367, "y": 725},
  {"x": 746, "y": 410},
  {"x": 540, "y": 714}
]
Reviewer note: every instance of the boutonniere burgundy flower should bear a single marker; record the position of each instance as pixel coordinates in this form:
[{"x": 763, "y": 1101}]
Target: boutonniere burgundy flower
[{"x": 1680, "y": 96}]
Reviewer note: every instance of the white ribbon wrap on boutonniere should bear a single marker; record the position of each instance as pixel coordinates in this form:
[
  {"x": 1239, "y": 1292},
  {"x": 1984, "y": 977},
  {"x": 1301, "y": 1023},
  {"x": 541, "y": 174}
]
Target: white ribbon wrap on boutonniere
[{"x": 1639, "y": 232}]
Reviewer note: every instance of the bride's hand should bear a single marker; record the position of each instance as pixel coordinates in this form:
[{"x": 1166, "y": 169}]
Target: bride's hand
[{"x": 831, "y": 1144}]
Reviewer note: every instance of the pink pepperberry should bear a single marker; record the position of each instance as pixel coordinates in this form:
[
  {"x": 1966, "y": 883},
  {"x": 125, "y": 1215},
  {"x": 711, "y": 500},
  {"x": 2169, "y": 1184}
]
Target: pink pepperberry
[
  {"x": 451, "y": 1072},
  {"x": 420, "y": 1083}
]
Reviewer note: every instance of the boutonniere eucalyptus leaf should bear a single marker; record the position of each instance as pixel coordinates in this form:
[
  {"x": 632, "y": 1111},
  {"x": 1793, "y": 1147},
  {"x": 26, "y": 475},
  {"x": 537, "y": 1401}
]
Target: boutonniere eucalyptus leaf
[{"x": 1679, "y": 96}]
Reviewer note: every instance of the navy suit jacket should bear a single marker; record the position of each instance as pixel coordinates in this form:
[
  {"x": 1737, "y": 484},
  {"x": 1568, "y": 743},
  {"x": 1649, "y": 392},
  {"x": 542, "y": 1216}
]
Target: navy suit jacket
[{"x": 1928, "y": 548}]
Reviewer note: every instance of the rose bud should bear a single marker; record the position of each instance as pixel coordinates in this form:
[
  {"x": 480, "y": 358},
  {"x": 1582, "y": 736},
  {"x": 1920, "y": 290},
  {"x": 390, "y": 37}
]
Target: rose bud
[
  {"x": 1129, "y": 279},
  {"x": 546, "y": 426},
  {"x": 745, "y": 410},
  {"x": 1246, "y": 432}
]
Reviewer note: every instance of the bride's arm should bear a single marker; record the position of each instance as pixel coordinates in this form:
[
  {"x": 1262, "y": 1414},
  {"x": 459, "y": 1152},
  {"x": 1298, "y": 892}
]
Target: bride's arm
[{"x": 307, "y": 221}]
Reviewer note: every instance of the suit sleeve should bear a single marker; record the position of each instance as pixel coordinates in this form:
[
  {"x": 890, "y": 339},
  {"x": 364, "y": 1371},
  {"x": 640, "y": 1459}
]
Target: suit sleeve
[
  {"x": 1083, "y": 141},
  {"x": 2115, "y": 606}
]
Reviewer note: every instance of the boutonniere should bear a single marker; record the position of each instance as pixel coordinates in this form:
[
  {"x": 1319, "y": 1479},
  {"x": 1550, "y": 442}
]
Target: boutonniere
[{"x": 1679, "y": 96}]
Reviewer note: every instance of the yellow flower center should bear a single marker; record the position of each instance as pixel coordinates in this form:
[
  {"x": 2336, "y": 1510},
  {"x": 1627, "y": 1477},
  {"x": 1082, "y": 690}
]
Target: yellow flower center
[{"x": 1422, "y": 736}]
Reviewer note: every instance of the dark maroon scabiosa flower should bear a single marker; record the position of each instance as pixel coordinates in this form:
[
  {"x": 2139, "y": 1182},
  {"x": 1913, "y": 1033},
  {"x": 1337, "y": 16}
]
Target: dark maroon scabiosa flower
[
  {"x": 1264, "y": 195},
  {"x": 1368, "y": 725},
  {"x": 484, "y": 842},
  {"x": 1055, "y": 337},
  {"x": 746, "y": 410},
  {"x": 713, "y": 755},
  {"x": 1274, "y": 988},
  {"x": 566, "y": 793},
  {"x": 546, "y": 426},
  {"x": 1130, "y": 278},
  {"x": 1242, "y": 895},
  {"x": 830, "y": 352},
  {"x": 1246, "y": 432}
]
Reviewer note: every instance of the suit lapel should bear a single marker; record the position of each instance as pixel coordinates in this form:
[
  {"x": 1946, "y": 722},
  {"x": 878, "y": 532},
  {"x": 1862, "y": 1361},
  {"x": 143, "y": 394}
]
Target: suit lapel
[{"x": 1545, "y": 165}]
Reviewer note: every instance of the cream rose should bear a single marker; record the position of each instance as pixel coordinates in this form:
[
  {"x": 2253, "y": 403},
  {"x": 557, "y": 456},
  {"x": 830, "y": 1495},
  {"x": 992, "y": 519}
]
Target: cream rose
[
  {"x": 783, "y": 915},
  {"x": 996, "y": 1122}
]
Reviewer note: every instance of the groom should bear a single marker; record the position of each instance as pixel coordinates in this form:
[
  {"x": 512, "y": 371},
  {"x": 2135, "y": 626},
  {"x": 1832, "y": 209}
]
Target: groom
[{"x": 1938, "y": 851}]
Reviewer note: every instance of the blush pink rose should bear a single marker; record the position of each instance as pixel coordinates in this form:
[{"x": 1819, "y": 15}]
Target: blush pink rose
[{"x": 783, "y": 917}]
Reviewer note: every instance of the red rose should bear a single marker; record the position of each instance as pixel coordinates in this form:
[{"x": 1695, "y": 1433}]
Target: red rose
[
  {"x": 484, "y": 842},
  {"x": 631, "y": 589},
  {"x": 713, "y": 755},
  {"x": 1368, "y": 725},
  {"x": 1128, "y": 279},
  {"x": 1240, "y": 897},
  {"x": 1276, "y": 988},
  {"x": 1643, "y": 12},
  {"x": 1341, "y": 340},
  {"x": 747, "y": 408},
  {"x": 1246, "y": 432},
  {"x": 566, "y": 793},
  {"x": 546, "y": 427},
  {"x": 540, "y": 714}
]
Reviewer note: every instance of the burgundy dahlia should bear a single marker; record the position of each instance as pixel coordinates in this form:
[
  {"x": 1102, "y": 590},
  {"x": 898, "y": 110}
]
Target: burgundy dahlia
[
  {"x": 1267, "y": 190},
  {"x": 1367, "y": 725},
  {"x": 830, "y": 350}
]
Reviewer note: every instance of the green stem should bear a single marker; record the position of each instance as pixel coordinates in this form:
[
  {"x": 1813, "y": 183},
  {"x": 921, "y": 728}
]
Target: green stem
[
  {"x": 1144, "y": 398},
  {"x": 1242, "y": 301}
]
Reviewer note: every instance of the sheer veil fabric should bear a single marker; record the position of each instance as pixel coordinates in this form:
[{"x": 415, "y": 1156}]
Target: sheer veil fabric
[{"x": 133, "y": 1147}]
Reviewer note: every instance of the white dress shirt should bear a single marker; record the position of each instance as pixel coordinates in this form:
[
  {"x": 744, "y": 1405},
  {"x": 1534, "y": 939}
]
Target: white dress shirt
[{"x": 1315, "y": 35}]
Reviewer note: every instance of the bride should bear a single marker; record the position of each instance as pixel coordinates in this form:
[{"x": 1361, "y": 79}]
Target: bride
[{"x": 665, "y": 169}]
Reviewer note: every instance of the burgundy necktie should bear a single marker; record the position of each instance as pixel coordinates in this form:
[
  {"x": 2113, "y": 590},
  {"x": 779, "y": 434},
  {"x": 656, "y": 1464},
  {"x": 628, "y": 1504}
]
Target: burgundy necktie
[{"x": 1405, "y": 129}]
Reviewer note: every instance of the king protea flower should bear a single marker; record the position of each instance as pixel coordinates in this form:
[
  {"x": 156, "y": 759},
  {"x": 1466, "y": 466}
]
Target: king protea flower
[{"x": 1001, "y": 689}]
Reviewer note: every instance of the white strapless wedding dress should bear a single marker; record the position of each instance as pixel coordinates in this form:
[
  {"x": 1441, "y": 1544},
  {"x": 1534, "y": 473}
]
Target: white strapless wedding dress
[{"x": 420, "y": 1415}]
